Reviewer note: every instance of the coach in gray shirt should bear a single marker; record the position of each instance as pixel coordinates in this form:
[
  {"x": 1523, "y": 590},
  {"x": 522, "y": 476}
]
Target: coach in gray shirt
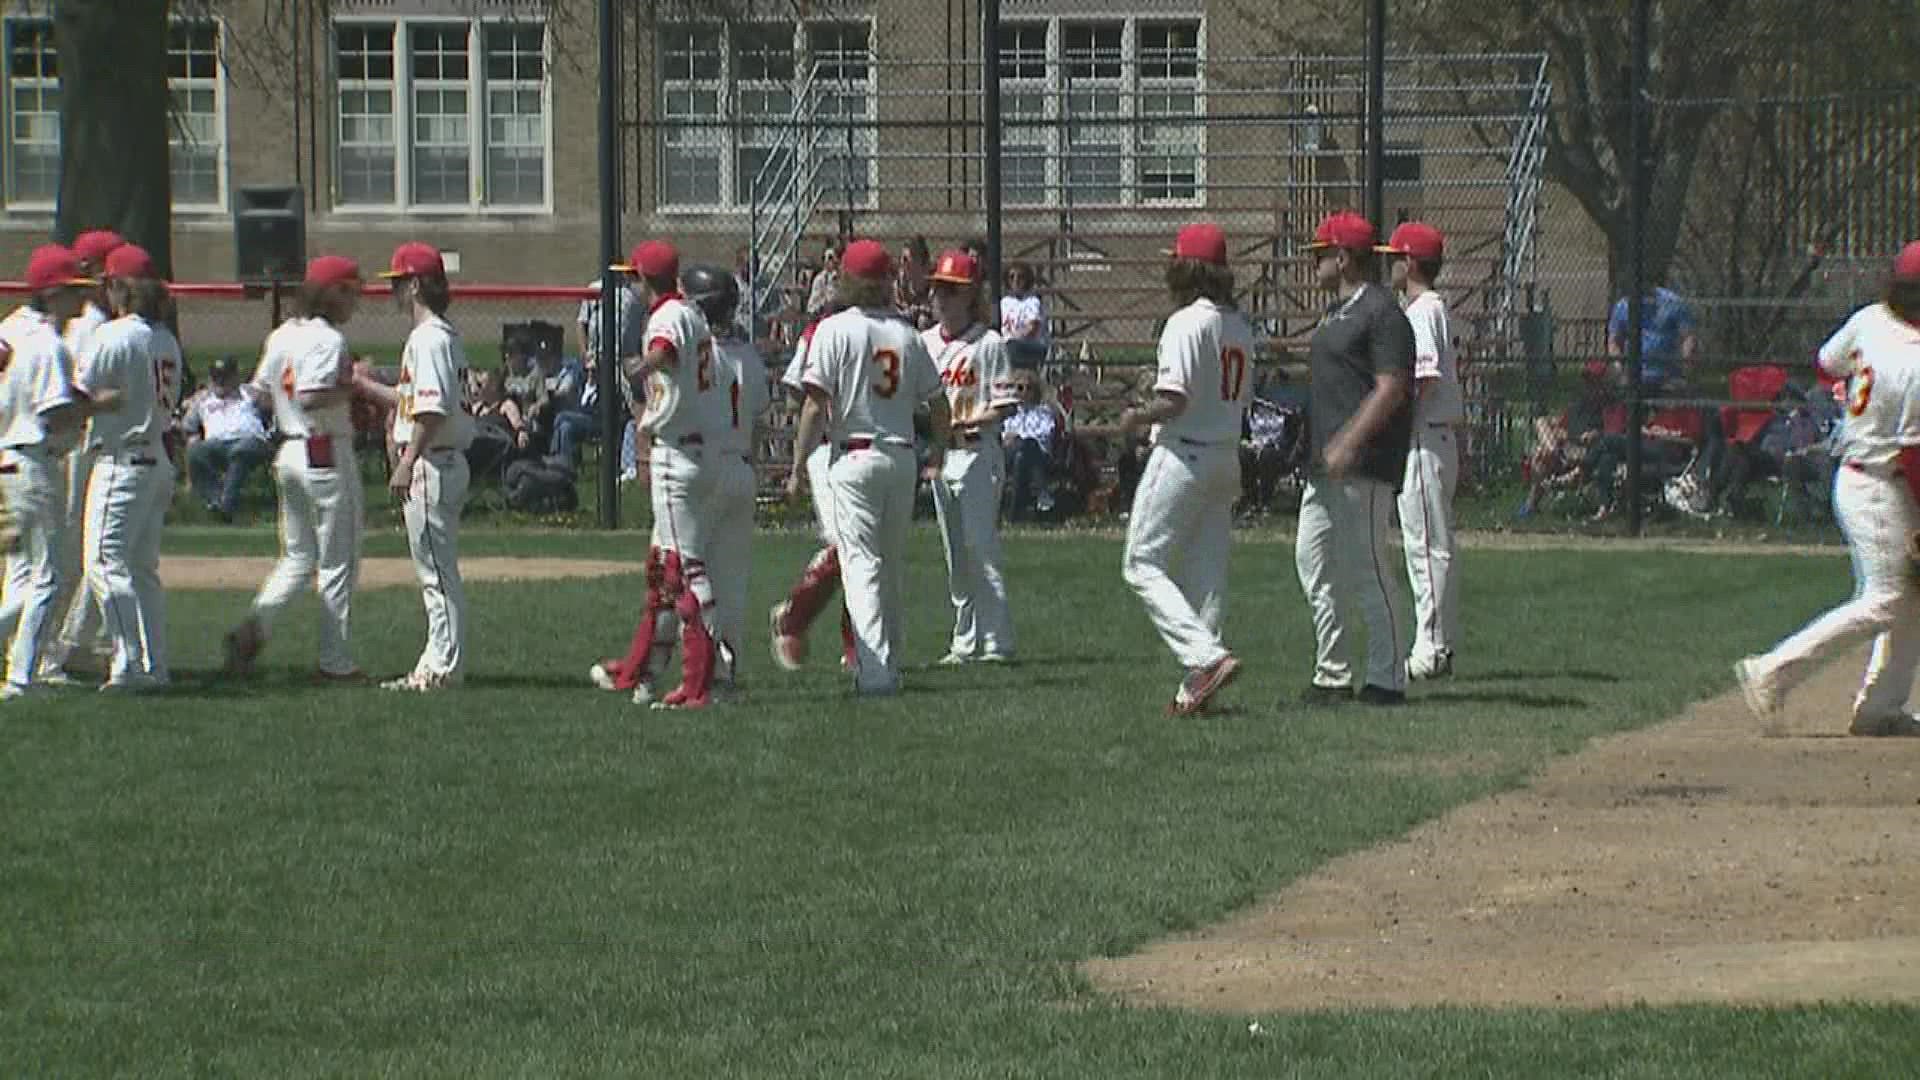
[{"x": 1360, "y": 411}]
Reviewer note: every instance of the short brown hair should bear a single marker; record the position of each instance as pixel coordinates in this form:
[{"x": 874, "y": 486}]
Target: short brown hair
[
  {"x": 319, "y": 301},
  {"x": 1190, "y": 279},
  {"x": 145, "y": 297},
  {"x": 1903, "y": 299},
  {"x": 433, "y": 292},
  {"x": 860, "y": 292},
  {"x": 664, "y": 284}
]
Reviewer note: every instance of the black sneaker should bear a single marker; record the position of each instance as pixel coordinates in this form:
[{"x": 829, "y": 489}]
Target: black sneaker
[
  {"x": 1315, "y": 694},
  {"x": 1380, "y": 695}
]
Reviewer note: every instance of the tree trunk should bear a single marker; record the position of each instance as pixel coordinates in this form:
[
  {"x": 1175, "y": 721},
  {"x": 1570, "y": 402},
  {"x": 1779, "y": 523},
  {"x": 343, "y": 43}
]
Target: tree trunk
[{"x": 114, "y": 170}]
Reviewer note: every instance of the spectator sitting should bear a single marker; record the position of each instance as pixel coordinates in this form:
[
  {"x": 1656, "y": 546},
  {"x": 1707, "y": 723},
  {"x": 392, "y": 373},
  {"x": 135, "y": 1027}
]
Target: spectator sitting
[
  {"x": 1031, "y": 435},
  {"x": 1273, "y": 435},
  {"x": 1568, "y": 448},
  {"x": 912, "y": 293},
  {"x": 516, "y": 361},
  {"x": 820, "y": 292},
  {"x": 226, "y": 438},
  {"x": 500, "y": 427},
  {"x": 1023, "y": 318}
]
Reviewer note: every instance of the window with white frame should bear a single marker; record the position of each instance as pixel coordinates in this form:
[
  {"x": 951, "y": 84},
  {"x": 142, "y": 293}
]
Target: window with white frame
[
  {"x": 196, "y": 99},
  {"x": 441, "y": 114},
  {"x": 195, "y": 145},
  {"x": 1104, "y": 112},
  {"x": 726, "y": 90}
]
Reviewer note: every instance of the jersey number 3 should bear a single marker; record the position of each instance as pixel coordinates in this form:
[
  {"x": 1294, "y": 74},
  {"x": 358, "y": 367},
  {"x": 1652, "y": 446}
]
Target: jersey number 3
[
  {"x": 886, "y": 373},
  {"x": 1233, "y": 373}
]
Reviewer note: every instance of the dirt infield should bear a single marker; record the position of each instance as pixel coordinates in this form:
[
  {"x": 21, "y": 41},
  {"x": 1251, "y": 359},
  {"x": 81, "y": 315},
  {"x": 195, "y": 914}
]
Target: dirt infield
[
  {"x": 200, "y": 572},
  {"x": 1693, "y": 862}
]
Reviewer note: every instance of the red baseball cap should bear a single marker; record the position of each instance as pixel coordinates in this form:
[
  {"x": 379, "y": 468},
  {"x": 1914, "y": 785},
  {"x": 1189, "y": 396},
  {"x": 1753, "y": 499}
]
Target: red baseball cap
[
  {"x": 52, "y": 266},
  {"x": 652, "y": 259},
  {"x": 415, "y": 259},
  {"x": 93, "y": 245},
  {"x": 955, "y": 268},
  {"x": 867, "y": 259},
  {"x": 1203, "y": 243},
  {"x": 1344, "y": 229},
  {"x": 333, "y": 270},
  {"x": 1906, "y": 265},
  {"x": 1416, "y": 240},
  {"x": 129, "y": 261}
]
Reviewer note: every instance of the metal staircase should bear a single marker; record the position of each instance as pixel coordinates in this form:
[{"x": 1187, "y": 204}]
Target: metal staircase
[
  {"x": 784, "y": 195},
  {"x": 1519, "y": 247}
]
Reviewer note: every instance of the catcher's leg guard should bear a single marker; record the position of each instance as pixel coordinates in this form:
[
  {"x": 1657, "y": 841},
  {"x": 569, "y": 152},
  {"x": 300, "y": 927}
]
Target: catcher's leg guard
[
  {"x": 695, "y": 608},
  {"x": 810, "y": 594},
  {"x": 637, "y": 665}
]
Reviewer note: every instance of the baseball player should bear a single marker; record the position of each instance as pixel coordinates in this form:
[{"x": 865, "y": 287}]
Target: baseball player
[
  {"x": 1876, "y": 496},
  {"x": 306, "y": 370},
  {"x": 1416, "y": 250},
  {"x": 1361, "y": 362},
  {"x": 74, "y": 605},
  {"x": 38, "y": 411},
  {"x": 432, "y": 429},
  {"x": 733, "y": 407},
  {"x": 978, "y": 377},
  {"x": 679, "y": 371},
  {"x": 125, "y": 375},
  {"x": 1180, "y": 530},
  {"x": 867, "y": 372},
  {"x": 791, "y": 618}
]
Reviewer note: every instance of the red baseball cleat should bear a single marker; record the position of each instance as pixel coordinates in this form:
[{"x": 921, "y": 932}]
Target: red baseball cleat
[{"x": 1202, "y": 684}]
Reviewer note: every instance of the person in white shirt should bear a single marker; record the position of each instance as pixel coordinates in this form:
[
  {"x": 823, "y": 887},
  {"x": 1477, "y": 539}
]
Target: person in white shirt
[
  {"x": 432, "y": 429},
  {"x": 732, "y": 418},
  {"x": 75, "y": 610},
  {"x": 39, "y": 413},
  {"x": 678, "y": 369},
  {"x": 306, "y": 373},
  {"x": 1416, "y": 251},
  {"x": 125, "y": 376},
  {"x": 975, "y": 370},
  {"x": 1876, "y": 496},
  {"x": 1023, "y": 316},
  {"x": 226, "y": 438},
  {"x": 867, "y": 373},
  {"x": 1179, "y": 532}
]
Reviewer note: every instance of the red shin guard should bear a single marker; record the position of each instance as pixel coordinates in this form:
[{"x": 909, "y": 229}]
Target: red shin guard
[{"x": 815, "y": 587}]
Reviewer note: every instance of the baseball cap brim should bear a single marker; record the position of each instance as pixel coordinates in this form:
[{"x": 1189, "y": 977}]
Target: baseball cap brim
[
  {"x": 81, "y": 281},
  {"x": 950, "y": 279},
  {"x": 389, "y": 275},
  {"x": 1389, "y": 249},
  {"x": 622, "y": 268}
]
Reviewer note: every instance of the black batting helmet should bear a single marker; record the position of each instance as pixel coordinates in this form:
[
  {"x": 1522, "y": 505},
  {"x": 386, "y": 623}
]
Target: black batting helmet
[{"x": 711, "y": 289}]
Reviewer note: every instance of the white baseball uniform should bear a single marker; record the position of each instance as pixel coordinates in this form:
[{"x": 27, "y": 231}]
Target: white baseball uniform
[
  {"x": 433, "y": 379},
  {"x": 36, "y": 377},
  {"x": 820, "y": 458},
  {"x": 676, "y": 407},
  {"x": 978, "y": 377},
  {"x": 875, "y": 372},
  {"x": 1180, "y": 530},
  {"x": 321, "y": 504},
  {"x": 1879, "y": 356},
  {"x": 75, "y": 606},
  {"x": 733, "y": 409},
  {"x": 1433, "y": 472},
  {"x": 128, "y": 494}
]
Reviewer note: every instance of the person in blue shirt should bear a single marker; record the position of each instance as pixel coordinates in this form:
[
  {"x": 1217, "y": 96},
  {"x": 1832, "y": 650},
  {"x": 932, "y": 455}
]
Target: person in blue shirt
[{"x": 1668, "y": 343}]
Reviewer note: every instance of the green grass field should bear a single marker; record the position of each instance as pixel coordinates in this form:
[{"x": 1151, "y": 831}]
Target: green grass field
[{"x": 531, "y": 878}]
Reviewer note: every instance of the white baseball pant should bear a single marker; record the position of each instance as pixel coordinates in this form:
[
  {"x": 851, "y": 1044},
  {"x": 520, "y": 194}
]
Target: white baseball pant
[
  {"x": 1179, "y": 534},
  {"x": 820, "y": 482},
  {"x": 320, "y": 526},
  {"x": 682, "y": 486},
  {"x": 33, "y": 484},
  {"x": 729, "y": 555},
  {"x": 75, "y": 606},
  {"x": 126, "y": 510},
  {"x": 1877, "y": 514},
  {"x": 967, "y": 501},
  {"x": 872, "y": 500},
  {"x": 432, "y": 512},
  {"x": 1340, "y": 553},
  {"x": 1426, "y": 534}
]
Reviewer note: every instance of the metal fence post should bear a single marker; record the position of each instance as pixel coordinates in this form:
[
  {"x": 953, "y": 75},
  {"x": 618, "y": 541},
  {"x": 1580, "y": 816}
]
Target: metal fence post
[
  {"x": 990, "y": 134},
  {"x": 1376, "y": 116},
  {"x": 612, "y": 430},
  {"x": 1636, "y": 260}
]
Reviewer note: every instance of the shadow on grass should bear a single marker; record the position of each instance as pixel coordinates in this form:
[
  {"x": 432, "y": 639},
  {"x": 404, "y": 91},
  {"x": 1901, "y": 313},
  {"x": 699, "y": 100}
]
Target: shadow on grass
[
  {"x": 1502, "y": 697},
  {"x": 1508, "y": 675}
]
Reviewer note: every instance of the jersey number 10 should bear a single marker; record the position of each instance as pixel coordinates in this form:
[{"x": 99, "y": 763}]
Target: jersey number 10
[{"x": 1233, "y": 373}]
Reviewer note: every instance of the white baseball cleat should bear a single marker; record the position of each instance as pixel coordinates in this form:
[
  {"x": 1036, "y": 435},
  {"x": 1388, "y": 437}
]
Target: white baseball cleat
[
  {"x": 954, "y": 658},
  {"x": 1898, "y": 725},
  {"x": 1762, "y": 697},
  {"x": 642, "y": 693},
  {"x": 995, "y": 658},
  {"x": 601, "y": 675},
  {"x": 422, "y": 683},
  {"x": 789, "y": 651},
  {"x": 1437, "y": 666},
  {"x": 12, "y": 691}
]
